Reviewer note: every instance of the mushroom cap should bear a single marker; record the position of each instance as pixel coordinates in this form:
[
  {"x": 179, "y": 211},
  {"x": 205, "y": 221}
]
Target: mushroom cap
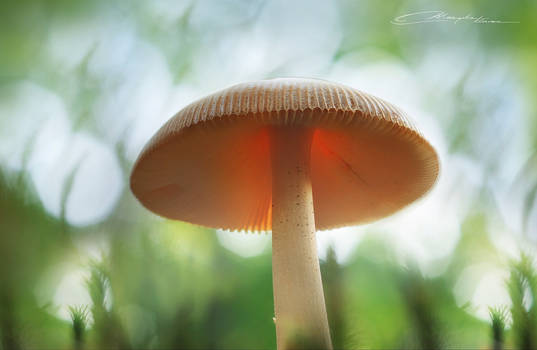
[{"x": 210, "y": 164}]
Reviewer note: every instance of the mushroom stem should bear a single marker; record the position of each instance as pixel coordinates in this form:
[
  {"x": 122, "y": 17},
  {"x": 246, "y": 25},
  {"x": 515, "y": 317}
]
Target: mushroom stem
[{"x": 301, "y": 320}]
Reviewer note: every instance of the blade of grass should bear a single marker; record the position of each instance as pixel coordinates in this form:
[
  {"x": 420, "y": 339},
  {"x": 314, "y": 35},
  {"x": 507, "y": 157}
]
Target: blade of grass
[
  {"x": 79, "y": 317},
  {"x": 522, "y": 287},
  {"x": 498, "y": 316}
]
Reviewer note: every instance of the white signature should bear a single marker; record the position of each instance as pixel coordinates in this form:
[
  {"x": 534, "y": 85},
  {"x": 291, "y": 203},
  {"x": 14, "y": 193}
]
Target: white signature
[{"x": 441, "y": 16}]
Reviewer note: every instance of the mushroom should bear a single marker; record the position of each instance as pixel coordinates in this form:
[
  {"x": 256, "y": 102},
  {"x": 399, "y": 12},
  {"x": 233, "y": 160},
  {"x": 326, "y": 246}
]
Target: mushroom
[{"x": 292, "y": 156}]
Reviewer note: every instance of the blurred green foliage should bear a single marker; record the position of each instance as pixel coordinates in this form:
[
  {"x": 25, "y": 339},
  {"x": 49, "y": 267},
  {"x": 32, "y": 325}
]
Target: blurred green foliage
[{"x": 145, "y": 293}]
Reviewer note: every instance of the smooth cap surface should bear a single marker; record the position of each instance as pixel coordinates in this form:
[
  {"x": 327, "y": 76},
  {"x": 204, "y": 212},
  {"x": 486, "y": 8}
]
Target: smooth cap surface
[{"x": 210, "y": 163}]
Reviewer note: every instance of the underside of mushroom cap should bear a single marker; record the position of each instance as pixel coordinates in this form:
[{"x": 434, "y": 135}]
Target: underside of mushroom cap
[{"x": 210, "y": 163}]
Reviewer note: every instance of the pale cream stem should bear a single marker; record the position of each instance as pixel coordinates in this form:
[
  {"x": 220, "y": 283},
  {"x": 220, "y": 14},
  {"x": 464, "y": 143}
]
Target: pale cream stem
[{"x": 301, "y": 319}]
